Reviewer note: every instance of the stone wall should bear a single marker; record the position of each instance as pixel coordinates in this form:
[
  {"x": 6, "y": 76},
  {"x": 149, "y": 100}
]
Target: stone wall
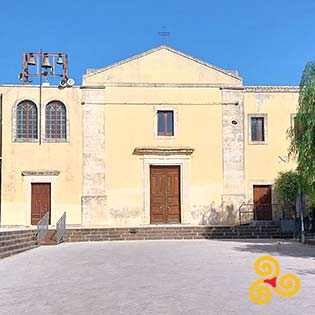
[
  {"x": 233, "y": 154},
  {"x": 93, "y": 201}
]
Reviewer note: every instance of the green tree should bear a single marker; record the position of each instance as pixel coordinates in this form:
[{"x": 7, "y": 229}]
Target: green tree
[
  {"x": 286, "y": 188},
  {"x": 302, "y": 134}
]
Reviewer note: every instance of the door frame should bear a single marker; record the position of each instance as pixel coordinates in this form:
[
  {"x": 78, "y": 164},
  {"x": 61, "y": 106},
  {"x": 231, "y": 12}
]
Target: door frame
[
  {"x": 183, "y": 163},
  {"x": 269, "y": 209},
  {"x": 178, "y": 167},
  {"x": 250, "y": 190},
  {"x": 28, "y": 180},
  {"x": 36, "y": 183}
]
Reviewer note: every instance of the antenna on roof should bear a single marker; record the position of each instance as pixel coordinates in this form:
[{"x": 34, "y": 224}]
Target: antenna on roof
[{"x": 164, "y": 34}]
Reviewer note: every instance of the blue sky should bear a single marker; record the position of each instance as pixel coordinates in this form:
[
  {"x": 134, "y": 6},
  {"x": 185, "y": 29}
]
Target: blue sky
[{"x": 269, "y": 42}]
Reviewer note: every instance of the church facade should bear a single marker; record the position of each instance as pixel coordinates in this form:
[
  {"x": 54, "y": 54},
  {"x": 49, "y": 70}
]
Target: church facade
[{"x": 159, "y": 138}]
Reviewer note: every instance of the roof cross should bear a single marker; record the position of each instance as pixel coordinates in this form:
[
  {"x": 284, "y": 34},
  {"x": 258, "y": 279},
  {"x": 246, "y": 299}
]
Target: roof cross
[{"x": 164, "y": 34}]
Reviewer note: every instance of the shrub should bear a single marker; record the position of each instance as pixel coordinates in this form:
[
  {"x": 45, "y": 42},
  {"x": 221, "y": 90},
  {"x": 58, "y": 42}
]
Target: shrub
[{"x": 287, "y": 187}]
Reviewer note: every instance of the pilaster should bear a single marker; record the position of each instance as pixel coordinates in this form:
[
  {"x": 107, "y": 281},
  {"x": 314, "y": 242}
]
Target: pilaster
[
  {"x": 233, "y": 153},
  {"x": 93, "y": 201}
]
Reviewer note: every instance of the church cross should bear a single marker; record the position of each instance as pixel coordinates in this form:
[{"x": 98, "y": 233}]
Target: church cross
[{"x": 164, "y": 34}]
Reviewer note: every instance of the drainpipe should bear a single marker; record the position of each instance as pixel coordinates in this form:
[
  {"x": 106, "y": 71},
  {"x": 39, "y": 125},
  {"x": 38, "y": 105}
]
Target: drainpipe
[{"x": 0, "y": 151}]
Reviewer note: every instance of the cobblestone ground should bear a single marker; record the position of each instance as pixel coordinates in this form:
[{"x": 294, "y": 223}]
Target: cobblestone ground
[{"x": 151, "y": 278}]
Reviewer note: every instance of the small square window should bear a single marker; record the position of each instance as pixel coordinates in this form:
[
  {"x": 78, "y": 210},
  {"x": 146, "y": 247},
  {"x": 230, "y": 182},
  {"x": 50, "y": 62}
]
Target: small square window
[
  {"x": 257, "y": 129},
  {"x": 165, "y": 123}
]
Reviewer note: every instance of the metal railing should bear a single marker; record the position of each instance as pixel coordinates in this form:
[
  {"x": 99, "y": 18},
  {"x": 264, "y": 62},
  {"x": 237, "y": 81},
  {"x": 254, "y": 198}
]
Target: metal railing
[
  {"x": 248, "y": 212},
  {"x": 42, "y": 226},
  {"x": 61, "y": 227}
]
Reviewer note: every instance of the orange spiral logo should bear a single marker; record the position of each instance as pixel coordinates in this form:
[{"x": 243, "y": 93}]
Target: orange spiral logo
[{"x": 260, "y": 291}]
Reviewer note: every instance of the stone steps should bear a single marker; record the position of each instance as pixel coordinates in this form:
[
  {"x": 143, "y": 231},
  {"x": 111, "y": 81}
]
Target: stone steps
[
  {"x": 173, "y": 232},
  {"x": 16, "y": 251},
  {"x": 14, "y": 242},
  {"x": 16, "y": 233}
]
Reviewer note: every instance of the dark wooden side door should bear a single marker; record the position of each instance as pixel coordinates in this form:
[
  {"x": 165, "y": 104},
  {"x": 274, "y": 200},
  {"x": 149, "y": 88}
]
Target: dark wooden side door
[
  {"x": 40, "y": 202},
  {"x": 164, "y": 194},
  {"x": 262, "y": 202}
]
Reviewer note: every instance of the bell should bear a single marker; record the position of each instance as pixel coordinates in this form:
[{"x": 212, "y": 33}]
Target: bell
[
  {"x": 46, "y": 63},
  {"x": 31, "y": 61},
  {"x": 59, "y": 60}
]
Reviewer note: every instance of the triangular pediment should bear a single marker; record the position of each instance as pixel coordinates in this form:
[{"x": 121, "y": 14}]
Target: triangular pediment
[{"x": 162, "y": 65}]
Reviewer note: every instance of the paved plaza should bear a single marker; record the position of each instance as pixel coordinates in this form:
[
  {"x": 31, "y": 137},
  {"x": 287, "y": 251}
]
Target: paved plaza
[{"x": 192, "y": 277}]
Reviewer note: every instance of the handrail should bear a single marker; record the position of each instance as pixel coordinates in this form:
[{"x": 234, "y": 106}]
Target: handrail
[
  {"x": 42, "y": 226},
  {"x": 252, "y": 211},
  {"x": 240, "y": 212},
  {"x": 61, "y": 227}
]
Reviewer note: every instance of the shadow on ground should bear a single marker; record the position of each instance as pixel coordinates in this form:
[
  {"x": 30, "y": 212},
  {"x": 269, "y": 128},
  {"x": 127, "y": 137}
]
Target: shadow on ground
[{"x": 275, "y": 247}]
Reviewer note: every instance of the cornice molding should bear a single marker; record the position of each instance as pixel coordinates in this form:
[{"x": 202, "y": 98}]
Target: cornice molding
[
  {"x": 172, "y": 85},
  {"x": 163, "y": 151},
  {"x": 271, "y": 89},
  {"x": 92, "y": 87},
  {"x": 40, "y": 173}
]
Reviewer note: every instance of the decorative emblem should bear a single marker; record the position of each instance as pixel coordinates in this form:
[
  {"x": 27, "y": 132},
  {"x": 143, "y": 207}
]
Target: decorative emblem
[{"x": 260, "y": 291}]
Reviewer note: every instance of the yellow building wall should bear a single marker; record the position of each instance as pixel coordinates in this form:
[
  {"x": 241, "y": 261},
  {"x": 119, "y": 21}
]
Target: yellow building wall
[
  {"x": 25, "y": 156},
  {"x": 130, "y": 123},
  {"x": 118, "y": 105},
  {"x": 263, "y": 162}
]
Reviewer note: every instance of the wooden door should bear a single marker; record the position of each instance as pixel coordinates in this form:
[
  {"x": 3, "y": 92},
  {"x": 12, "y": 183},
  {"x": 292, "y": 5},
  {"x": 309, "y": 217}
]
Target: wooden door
[
  {"x": 164, "y": 194},
  {"x": 262, "y": 202},
  {"x": 40, "y": 203},
  {"x": 157, "y": 195}
]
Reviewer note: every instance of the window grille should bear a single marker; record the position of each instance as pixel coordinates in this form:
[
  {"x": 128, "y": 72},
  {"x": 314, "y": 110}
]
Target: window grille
[
  {"x": 56, "y": 121},
  {"x": 26, "y": 120}
]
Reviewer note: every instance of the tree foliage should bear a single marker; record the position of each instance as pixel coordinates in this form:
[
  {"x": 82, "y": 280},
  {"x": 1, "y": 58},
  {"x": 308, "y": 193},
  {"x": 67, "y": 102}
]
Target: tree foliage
[
  {"x": 302, "y": 134},
  {"x": 287, "y": 187}
]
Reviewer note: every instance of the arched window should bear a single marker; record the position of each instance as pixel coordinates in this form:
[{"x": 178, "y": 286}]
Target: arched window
[
  {"x": 56, "y": 120},
  {"x": 26, "y": 120}
]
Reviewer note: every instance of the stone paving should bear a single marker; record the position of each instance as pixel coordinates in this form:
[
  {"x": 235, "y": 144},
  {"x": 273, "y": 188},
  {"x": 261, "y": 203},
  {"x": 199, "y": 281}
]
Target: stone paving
[{"x": 192, "y": 277}]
